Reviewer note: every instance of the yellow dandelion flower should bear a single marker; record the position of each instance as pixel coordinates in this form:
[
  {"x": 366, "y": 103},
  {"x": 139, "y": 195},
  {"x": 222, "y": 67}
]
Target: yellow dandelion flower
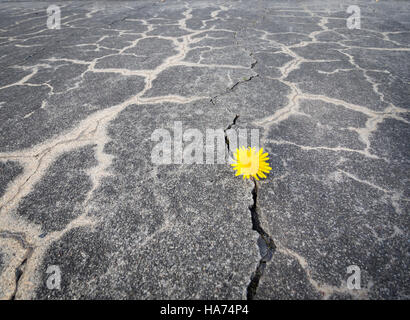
[{"x": 250, "y": 162}]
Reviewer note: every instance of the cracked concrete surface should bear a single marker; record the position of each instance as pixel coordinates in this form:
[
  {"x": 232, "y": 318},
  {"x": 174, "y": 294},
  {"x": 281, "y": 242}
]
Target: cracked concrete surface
[{"x": 78, "y": 189}]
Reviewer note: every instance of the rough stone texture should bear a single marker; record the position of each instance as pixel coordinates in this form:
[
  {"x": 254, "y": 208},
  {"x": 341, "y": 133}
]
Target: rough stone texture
[
  {"x": 79, "y": 190},
  {"x": 9, "y": 170},
  {"x": 58, "y": 197}
]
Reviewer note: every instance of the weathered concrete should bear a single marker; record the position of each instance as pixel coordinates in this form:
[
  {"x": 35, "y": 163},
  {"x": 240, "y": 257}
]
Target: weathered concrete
[{"x": 78, "y": 188}]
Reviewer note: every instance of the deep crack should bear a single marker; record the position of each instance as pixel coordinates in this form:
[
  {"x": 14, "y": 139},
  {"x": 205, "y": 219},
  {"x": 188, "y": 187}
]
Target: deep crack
[
  {"x": 226, "y": 135},
  {"x": 265, "y": 243}
]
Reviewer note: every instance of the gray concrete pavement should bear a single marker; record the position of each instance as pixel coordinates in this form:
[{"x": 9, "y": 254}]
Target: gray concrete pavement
[{"x": 79, "y": 190}]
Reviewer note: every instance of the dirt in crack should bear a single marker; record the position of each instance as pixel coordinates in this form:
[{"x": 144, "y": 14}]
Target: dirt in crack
[{"x": 265, "y": 243}]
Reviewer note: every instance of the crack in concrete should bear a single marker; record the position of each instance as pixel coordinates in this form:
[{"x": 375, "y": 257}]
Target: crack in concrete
[
  {"x": 92, "y": 130},
  {"x": 265, "y": 243},
  {"x": 226, "y": 134},
  {"x": 232, "y": 88}
]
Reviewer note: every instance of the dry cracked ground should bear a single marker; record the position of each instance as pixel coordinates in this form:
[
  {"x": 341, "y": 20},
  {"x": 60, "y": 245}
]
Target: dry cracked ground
[{"x": 78, "y": 189}]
